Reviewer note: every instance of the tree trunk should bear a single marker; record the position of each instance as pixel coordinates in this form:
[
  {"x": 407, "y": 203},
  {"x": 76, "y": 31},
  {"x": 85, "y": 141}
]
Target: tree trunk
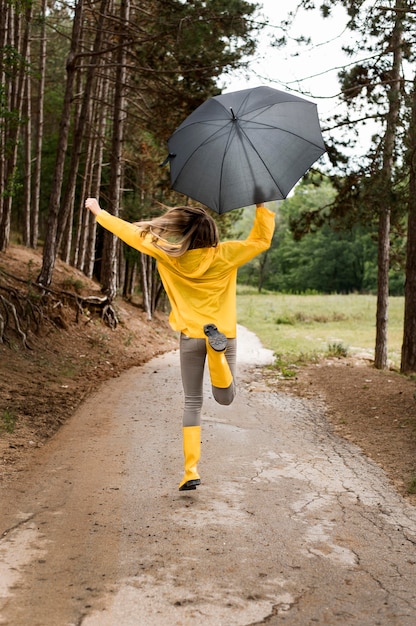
[
  {"x": 18, "y": 39},
  {"x": 93, "y": 176},
  {"x": 4, "y": 8},
  {"x": 83, "y": 119},
  {"x": 66, "y": 211},
  {"x": 38, "y": 131},
  {"x": 144, "y": 266},
  {"x": 263, "y": 259},
  {"x": 6, "y": 42},
  {"x": 408, "y": 363},
  {"x": 50, "y": 246},
  {"x": 80, "y": 242},
  {"x": 383, "y": 263},
  {"x": 109, "y": 268},
  {"x": 380, "y": 354},
  {"x": 27, "y": 163}
]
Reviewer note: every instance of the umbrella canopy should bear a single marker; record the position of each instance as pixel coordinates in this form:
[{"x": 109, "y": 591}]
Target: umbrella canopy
[{"x": 244, "y": 147}]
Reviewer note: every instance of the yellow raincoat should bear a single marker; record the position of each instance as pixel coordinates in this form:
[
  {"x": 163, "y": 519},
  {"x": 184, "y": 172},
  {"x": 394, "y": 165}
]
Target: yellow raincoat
[{"x": 200, "y": 284}]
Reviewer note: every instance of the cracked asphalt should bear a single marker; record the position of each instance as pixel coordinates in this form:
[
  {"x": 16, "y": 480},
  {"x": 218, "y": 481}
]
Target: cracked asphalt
[{"x": 291, "y": 524}]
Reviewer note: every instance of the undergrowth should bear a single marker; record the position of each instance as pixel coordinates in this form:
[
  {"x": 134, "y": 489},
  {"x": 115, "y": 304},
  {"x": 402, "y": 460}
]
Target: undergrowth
[{"x": 8, "y": 421}]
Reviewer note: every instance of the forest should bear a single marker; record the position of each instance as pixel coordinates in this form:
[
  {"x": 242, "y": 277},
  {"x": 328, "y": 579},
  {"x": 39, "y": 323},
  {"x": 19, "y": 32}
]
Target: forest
[{"x": 92, "y": 90}]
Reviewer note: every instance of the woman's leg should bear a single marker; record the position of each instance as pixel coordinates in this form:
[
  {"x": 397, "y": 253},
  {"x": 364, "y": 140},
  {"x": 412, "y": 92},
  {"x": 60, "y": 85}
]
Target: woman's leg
[
  {"x": 192, "y": 359},
  {"x": 226, "y": 395}
]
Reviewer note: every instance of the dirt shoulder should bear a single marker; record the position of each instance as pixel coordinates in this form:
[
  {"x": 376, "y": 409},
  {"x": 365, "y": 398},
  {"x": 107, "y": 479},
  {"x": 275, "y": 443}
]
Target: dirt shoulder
[
  {"x": 376, "y": 410},
  {"x": 69, "y": 357},
  {"x": 41, "y": 387}
]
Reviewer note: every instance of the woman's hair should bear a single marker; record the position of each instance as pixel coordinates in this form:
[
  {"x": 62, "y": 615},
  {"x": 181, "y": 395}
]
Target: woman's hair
[{"x": 181, "y": 229}]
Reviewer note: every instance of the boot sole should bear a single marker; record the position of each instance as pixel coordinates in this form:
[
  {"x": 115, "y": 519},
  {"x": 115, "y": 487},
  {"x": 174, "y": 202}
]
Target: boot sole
[
  {"x": 190, "y": 484},
  {"x": 217, "y": 341}
]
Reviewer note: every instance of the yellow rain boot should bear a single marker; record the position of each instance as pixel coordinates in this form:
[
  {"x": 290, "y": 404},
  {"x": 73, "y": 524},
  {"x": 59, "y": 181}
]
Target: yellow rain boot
[
  {"x": 219, "y": 369},
  {"x": 192, "y": 453}
]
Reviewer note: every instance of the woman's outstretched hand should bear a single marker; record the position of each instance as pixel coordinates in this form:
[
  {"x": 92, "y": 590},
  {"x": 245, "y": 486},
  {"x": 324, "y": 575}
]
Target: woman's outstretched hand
[{"x": 92, "y": 205}]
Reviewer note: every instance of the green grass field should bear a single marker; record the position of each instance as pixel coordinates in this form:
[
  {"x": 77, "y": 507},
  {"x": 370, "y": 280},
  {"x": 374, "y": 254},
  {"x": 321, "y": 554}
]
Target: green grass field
[{"x": 310, "y": 325}]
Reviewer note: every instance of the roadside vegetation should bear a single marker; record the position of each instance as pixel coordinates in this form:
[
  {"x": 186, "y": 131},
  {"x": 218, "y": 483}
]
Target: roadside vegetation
[{"x": 304, "y": 328}]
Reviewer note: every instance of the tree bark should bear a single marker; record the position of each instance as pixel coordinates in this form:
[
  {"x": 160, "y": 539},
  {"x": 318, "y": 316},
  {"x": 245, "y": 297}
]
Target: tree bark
[
  {"x": 66, "y": 214},
  {"x": 18, "y": 39},
  {"x": 27, "y": 162},
  {"x": 50, "y": 247},
  {"x": 4, "y": 8},
  {"x": 38, "y": 131},
  {"x": 145, "y": 286},
  {"x": 408, "y": 361},
  {"x": 93, "y": 175},
  {"x": 380, "y": 354},
  {"x": 109, "y": 268}
]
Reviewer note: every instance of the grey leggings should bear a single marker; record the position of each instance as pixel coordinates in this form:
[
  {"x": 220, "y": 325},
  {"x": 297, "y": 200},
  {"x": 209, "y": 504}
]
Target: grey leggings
[{"x": 193, "y": 353}]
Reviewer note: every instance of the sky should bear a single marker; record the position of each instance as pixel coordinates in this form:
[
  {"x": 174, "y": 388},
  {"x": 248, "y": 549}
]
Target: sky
[
  {"x": 314, "y": 70},
  {"x": 312, "y": 73}
]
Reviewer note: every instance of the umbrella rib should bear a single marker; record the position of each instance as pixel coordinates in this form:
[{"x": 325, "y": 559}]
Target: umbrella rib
[
  {"x": 283, "y": 130},
  {"x": 263, "y": 125},
  {"x": 199, "y": 146},
  {"x": 261, "y": 159},
  {"x": 222, "y": 167}
]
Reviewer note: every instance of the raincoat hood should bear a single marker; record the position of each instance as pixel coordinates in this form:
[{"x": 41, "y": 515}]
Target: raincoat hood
[{"x": 194, "y": 263}]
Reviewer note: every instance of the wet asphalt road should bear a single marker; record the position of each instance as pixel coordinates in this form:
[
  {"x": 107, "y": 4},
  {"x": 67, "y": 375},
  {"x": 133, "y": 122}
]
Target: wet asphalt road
[{"x": 291, "y": 524}]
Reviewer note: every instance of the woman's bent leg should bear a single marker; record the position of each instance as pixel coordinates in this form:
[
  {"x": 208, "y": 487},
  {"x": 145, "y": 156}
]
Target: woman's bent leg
[{"x": 225, "y": 396}]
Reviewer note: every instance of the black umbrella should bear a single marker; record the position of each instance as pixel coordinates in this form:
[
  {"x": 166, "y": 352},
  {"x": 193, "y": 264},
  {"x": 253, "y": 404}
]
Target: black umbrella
[{"x": 245, "y": 147}]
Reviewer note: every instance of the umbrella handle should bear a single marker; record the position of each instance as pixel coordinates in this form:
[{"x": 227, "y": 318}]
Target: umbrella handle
[{"x": 168, "y": 158}]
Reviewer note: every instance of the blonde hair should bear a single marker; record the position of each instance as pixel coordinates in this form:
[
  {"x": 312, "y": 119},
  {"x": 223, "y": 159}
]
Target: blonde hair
[{"x": 181, "y": 229}]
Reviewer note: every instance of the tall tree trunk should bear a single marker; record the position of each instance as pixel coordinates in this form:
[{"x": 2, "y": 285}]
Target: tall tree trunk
[
  {"x": 380, "y": 355},
  {"x": 408, "y": 363},
  {"x": 83, "y": 118},
  {"x": 146, "y": 285},
  {"x": 27, "y": 162},
  {"x": 93, "y": 176},
  {"x": 109, "y": 267},
  {"x": 18, "y": 39},
  {"x": 50, "y": 247},
  {"x": 66, "y": 211},
  {"x": 6, "y": 42},
  {"x": 383, "y": 263},
  {"x": 129, "y": 276},
  {"x": 4, "y": 9},
  {"x": 263, "y": 259},
  {"x": 38, "y": 130},
  {"x": 80, "y": 241}
]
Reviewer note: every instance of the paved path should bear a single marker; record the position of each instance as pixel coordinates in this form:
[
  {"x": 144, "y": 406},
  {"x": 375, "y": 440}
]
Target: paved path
[{"x": 291, "y": 525}]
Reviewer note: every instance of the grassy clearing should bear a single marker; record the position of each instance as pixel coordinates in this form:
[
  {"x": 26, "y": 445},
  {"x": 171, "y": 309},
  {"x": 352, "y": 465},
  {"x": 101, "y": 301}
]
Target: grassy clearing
[{"x": 313, "y": 325}]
